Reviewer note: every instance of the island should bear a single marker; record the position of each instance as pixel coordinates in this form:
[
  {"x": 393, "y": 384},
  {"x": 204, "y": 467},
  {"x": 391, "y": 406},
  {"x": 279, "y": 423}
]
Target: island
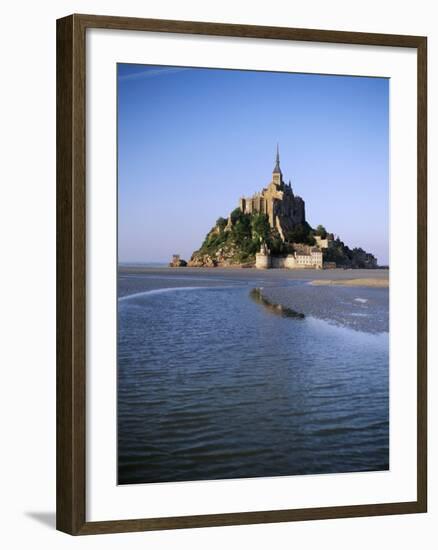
[{"x": 270, "y": 230}]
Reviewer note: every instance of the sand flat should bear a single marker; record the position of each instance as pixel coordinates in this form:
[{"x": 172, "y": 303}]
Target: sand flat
[
  {"x": 368, "y": 282},
  {"x": 210, "y": 274}
]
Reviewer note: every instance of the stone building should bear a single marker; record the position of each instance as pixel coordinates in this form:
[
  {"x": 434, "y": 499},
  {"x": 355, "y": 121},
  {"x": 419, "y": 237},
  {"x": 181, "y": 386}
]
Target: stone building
[
  {"x": 284, "y": 209},
  {"x": 324, "y": 243},
  {"x": 300, "y": 259}
]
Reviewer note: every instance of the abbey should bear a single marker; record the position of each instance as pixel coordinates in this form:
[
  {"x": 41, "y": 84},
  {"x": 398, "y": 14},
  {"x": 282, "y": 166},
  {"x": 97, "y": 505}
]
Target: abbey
[
  {"x": 269, "y": 230},
  {"x": 284, "y": 209}
]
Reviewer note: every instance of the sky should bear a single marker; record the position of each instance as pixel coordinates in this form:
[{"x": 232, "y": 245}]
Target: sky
[{"x": 192, "y": 141}]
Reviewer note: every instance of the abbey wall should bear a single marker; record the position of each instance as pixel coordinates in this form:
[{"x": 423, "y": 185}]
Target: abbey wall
[{"x": 311, "y": 259}]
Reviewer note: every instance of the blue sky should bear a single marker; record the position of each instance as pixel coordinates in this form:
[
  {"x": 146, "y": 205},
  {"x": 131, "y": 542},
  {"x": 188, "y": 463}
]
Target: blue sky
[{"x": 192, "y": 141}]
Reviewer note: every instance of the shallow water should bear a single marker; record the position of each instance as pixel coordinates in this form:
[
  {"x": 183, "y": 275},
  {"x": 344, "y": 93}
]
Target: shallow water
[
  {"x": 359, "y": 308},
  {"x": 213, "y": 385}
]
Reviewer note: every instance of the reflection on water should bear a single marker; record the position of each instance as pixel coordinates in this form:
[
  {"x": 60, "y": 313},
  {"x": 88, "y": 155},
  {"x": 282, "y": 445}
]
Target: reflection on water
[{"x": 211, "y": 385}]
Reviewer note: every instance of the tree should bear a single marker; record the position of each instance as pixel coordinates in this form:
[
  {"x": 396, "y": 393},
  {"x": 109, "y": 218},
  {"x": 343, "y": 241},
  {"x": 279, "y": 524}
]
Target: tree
[
  {"x": 221, "y": 223},
  {"x": 301, "y": 233},
  {"x": 260, "y": 227},
  {"x": 241, "y": 229},
  {"x": 321, "y": 231},
  {"x": 235, "y": 215},
  {"x": 275, "y": 243}
]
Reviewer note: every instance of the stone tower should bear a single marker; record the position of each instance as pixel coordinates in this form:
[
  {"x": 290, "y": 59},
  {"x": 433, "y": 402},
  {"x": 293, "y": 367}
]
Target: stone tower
[
  {"x": 278, "y": 202},
  {"x": 277, "y": 176}
]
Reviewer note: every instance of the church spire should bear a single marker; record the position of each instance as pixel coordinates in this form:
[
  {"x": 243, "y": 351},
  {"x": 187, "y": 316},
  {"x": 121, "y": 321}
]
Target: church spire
[{"x": 277, "y": 169}]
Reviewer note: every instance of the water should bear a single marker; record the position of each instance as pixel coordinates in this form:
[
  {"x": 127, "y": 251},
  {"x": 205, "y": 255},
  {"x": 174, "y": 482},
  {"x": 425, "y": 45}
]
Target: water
[
  {"x": 212, "y": 385},
  {"x": 359, "y": 308}
]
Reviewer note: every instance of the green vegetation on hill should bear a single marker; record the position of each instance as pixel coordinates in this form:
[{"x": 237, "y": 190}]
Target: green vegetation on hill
[
  {"x": 238, "y": 242},
  {"x": 321, "y": 231},
  {"x": 301, "y": 233},
  {"x": 346, "y": 257}
]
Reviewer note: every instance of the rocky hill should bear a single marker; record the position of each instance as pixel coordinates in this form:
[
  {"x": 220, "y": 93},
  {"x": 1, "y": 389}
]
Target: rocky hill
[
  {"x": 274, "y": 217},
  {"x": 235, "y": 242},
  {"x": 343, "y": 256}
]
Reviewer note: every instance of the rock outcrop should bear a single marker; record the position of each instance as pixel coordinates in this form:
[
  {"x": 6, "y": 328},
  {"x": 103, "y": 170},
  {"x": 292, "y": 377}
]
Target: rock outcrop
[{"x": 177, "y": 261}]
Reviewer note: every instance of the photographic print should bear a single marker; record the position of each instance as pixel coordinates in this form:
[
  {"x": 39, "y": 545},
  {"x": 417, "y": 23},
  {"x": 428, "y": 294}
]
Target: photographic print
[{"x": 253, "y": 274}]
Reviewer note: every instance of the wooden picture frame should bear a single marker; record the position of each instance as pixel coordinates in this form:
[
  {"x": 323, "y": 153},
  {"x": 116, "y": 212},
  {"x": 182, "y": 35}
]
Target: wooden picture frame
[{"x": 71, "y": 273}]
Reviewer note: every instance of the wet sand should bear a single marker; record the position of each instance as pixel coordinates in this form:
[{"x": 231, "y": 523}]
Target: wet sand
[
  {"x": 210, "y": 274},
  {"x": 370, "y": 283},
  {"x": 358, "y": 307}
]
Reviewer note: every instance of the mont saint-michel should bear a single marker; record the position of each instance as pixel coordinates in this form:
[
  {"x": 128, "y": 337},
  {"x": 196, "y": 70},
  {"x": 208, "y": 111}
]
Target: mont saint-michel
[
  {"x": 281, "y": 368},
  {"x": 270, "y": 230}
]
